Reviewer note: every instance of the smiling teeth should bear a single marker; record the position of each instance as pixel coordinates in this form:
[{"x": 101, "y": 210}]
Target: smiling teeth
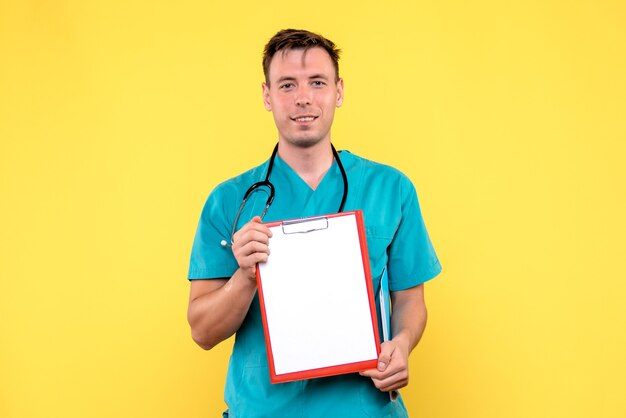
[{"x": 305, "y": 119}]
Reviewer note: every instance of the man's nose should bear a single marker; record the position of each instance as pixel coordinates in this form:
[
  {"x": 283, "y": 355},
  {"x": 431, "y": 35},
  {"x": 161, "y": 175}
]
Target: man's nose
[{"x": 303, "y": 96}]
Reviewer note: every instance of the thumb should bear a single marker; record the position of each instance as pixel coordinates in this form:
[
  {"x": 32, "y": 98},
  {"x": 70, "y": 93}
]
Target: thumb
[{"x": 386, "y": 350}]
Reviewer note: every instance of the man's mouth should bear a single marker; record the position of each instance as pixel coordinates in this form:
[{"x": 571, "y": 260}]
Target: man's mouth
[{"x": 306, "y": 118}]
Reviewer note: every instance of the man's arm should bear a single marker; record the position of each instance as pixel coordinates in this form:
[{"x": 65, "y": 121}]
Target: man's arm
[
  {"x": 408, "y": 320},
  {"x": 217, "y": 307}
]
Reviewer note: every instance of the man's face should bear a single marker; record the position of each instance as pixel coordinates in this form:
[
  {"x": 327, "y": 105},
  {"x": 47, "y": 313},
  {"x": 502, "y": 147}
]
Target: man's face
[{"x": 302, "y": 95}]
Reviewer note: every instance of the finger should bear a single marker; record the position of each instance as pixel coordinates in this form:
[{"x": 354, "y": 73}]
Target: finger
[
  {"x": 392, "y": 388},
  {"x": 249, "y": 262},
  {"x": 252, "y": 236},
  {"x": 250, "y": 226},
  {"x": 246, "y": 237},
  {"x": 252, "y": 260},
  {"x": 393, "y": 363},
  {"x": 250, "y": 248},
  {"x": 253, "y": 248},
  {"x": 395, "y": 381},
  {"x": 386, "y": 352},
  {"x": 253, "y": 226},
  {"x": 390, "y": 370}
]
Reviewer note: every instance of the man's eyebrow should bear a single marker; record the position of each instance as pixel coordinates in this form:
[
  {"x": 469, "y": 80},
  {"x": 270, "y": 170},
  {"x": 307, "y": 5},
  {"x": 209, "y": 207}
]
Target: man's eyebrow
[
  {"x": 292, "y": 78},
  {"x": 285, "y": 78}
]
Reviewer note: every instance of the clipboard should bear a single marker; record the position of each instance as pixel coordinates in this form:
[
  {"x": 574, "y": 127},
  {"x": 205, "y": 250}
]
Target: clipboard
[
  {"x": 385, "y": 305},
  {"x": 384, "y": 299},
  {"x": 317, "y": 301}
]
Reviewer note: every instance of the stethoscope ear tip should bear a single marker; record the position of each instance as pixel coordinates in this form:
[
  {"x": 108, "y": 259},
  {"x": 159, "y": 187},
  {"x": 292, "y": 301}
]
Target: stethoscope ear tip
[{"x": 223, "y": 243}]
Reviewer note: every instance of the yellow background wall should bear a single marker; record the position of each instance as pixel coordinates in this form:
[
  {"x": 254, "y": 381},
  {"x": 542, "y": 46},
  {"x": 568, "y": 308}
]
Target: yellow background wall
[{"x": 118, "y": 117}]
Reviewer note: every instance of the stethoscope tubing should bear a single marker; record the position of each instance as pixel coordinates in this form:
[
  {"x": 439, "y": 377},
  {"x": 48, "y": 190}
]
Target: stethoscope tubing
[{"x": 267, "y": 183}]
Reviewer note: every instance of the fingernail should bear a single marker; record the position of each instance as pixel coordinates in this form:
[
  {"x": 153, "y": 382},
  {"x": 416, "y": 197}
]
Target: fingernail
[{"x": 381, "y": 365}]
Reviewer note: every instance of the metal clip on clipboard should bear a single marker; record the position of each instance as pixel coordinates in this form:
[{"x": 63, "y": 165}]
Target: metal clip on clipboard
[{"x": 304, "y": 225}]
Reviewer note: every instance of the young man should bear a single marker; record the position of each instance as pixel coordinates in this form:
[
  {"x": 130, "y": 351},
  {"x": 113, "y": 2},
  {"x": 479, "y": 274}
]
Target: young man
[{"x": 302, "y": 88}]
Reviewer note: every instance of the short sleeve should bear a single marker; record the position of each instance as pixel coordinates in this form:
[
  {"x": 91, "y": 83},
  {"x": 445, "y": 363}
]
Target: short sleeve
[
  {"x": 209, "y": 259},
  {"x": 412, "y": 258}
]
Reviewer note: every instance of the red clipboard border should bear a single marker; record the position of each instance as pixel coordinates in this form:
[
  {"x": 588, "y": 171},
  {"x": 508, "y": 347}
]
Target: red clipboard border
[{"x": 340, "y": 368}]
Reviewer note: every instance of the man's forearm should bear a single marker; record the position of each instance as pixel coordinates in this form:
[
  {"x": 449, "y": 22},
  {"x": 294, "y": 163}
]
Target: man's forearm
[{"x": 408, "y": 319}]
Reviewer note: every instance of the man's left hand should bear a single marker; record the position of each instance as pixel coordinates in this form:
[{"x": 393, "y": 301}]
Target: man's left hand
[{"x": 392, "y": 372}]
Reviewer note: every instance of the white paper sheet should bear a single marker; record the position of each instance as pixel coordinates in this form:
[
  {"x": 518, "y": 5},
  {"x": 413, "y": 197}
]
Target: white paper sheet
[{"x": 315, "y": 294}]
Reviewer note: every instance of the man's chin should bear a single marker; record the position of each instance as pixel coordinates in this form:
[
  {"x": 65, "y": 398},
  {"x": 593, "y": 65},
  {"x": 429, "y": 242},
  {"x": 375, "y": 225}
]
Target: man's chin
[{"x": 304, "y": 142}]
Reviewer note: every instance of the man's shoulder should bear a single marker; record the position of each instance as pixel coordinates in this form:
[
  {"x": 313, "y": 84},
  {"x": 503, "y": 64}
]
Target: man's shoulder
[
  {"x": 230, "y": 192},
  {"x": 374, "y": 168},
  {"x": 243, "y": 180}
]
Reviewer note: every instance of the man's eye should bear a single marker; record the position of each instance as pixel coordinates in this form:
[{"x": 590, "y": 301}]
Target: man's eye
[
  {"x": 318, "y": 83},
  {"x": 286, "y": 86}
]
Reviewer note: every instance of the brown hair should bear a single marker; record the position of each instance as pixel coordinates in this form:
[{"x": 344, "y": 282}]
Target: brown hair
[{"x": 287, "y": 39}]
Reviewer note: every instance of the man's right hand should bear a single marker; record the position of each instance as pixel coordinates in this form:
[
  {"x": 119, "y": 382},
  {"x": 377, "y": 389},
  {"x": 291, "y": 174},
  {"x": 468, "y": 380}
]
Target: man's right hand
[{"x": 250, "y": 246}]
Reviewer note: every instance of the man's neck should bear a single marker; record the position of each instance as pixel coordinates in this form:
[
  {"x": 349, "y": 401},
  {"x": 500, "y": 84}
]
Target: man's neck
[{"x": 310, "y": 163}]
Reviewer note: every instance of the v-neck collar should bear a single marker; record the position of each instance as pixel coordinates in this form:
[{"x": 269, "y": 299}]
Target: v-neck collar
[
  {"x": 292, "y": 174},
  {"x": 295, "y": 199}
]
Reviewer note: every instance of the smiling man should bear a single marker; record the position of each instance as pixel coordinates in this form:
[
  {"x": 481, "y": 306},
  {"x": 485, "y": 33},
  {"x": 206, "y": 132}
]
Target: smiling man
[{"x": 303, "y": 89}]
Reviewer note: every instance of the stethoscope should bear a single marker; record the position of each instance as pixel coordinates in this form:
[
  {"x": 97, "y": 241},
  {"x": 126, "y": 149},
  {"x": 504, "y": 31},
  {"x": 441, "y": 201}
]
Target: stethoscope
[{"x": 272, "y": 191}]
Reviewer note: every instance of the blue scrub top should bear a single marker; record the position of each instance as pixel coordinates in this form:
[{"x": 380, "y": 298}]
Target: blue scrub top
[{"x": 396, "y": 238}]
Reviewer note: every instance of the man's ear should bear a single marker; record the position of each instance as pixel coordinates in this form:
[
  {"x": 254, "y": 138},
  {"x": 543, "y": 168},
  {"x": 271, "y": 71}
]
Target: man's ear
[
  {"x": 340, "y": 92},
  {"x": 266, "y": 97}
]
